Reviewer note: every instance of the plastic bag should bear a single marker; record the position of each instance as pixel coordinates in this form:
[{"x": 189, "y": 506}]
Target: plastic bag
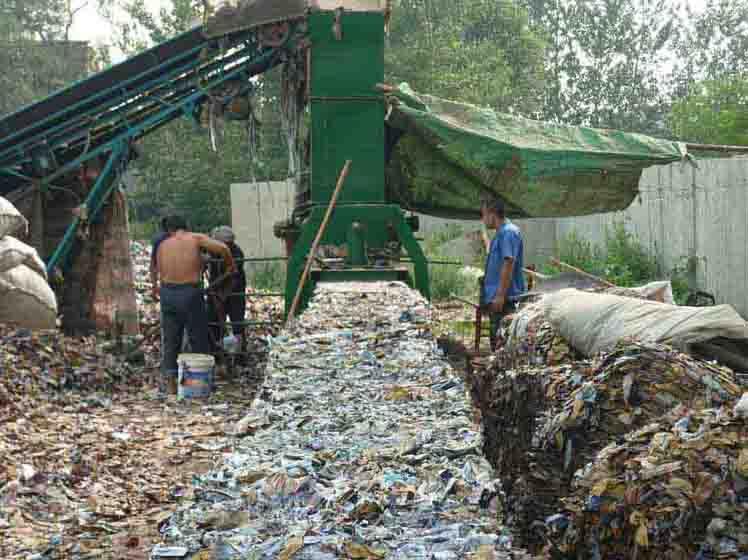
[
  {"x": 14, "y": 253},
  {"x": 594, "y": 323}
]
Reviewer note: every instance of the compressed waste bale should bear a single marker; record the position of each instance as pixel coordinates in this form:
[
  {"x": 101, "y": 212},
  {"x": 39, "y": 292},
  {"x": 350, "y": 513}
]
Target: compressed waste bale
[
  {"x": 11, "y": 219},
  {"x": 531, "y": 339},
  {"x": 26, "y": 300},
  {"x": 676, "y": 489}
]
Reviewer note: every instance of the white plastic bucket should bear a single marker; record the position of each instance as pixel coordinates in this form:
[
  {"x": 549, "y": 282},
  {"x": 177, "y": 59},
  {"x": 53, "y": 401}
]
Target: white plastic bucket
[{"x": 195, "y": 375}]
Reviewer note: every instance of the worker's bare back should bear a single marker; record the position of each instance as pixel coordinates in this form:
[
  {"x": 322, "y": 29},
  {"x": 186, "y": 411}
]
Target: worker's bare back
[{"x": 179, "y": 260}]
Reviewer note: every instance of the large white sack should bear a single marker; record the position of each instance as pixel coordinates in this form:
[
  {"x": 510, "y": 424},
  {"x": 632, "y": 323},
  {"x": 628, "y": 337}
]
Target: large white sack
[
  {"x": 14, "y": 252},
  {"x": 26, "y": 300},
  {"x": 661, "y": 291},
  {"x": 593, "y": 323},
  {"x": 11, "y": 219}
]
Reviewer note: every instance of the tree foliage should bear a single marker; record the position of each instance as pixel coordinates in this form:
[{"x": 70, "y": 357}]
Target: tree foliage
[
  {"x": 479, "y": 51},
  {"x": 715, "y": 112},
  {"x": 605, "y": 59}
]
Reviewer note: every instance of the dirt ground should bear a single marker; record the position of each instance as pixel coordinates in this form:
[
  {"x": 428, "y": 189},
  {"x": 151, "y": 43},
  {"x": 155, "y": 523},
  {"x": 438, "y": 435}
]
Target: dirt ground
[{"x": 94, "y": 479}]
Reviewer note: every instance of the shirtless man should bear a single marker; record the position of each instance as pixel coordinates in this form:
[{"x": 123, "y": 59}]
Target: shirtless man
[{"x": 179, "y": 267}]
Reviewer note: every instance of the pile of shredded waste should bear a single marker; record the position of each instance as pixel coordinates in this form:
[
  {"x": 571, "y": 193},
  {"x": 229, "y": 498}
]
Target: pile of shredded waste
[{"x": 361, "y": 446}]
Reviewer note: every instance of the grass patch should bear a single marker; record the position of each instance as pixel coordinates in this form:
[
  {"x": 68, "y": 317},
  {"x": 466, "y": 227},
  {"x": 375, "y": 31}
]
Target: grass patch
[{"x": 621, "y": 260}]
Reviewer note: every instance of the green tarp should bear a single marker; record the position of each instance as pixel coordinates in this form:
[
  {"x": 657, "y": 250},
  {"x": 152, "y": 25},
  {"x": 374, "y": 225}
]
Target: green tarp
[{"x": 453, "y": 155}]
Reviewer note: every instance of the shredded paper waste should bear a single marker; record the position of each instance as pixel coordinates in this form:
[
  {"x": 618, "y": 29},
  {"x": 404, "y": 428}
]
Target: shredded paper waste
[{"x": 361, "y": 445}]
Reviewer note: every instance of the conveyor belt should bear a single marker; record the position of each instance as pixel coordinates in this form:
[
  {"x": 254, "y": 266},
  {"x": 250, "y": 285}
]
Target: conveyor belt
[
  {"x": 97, "y": 119},
  {"x": 95, "y": 110}
]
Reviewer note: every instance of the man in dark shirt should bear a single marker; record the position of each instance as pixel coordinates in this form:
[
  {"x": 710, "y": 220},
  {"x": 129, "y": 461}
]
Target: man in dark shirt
[
  {"x": 504, "y": 280},
  {"x": 232, "y": 301}
]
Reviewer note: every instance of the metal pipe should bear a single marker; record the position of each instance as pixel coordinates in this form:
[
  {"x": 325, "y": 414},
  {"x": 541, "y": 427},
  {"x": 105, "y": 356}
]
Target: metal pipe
[{"x": 717, "y": 148}]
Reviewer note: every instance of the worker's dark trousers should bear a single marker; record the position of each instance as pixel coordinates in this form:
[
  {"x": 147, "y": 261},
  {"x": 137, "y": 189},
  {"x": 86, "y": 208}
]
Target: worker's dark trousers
[
  {"x": 182, "y": 308},
  {"x": 509, "y": 308},
  {"x": 235, "y": 308}
]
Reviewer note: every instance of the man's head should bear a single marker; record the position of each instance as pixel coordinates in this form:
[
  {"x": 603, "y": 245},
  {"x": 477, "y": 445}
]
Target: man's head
[
  {"x": 175, "y": 223},
  {"x": 223, "y": 234},
  {"x": 493, "y": 214}
]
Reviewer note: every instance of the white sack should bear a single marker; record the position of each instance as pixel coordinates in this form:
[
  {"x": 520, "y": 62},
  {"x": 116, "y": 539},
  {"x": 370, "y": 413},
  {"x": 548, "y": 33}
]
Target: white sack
[
  {"x": 11, "y": 219},
  {"x": 26, "y": 300},
  {"x": 14, "y": 253},
  {"x": 657, "y": 291},
  {"x": 594, "y": 323}
]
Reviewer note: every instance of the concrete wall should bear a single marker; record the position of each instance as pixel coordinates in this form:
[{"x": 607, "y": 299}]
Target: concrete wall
[
  {"x": 684, "y": 213},
  {"x": 255, "y": 207},
  {"x": 681, "y": 213}
]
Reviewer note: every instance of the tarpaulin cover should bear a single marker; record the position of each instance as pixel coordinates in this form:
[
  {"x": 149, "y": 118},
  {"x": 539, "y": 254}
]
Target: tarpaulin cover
[{"x": 453, "y": 155}]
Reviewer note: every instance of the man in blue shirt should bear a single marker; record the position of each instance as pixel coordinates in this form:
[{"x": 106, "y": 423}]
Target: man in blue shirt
[{"x": 504, "y": 280}]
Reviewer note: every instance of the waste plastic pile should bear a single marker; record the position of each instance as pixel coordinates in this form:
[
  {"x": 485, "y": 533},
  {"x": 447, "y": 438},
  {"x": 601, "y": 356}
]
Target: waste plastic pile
[
  {"x": 361, "y": 445},
  {"x": 46, "y": 365},
  {"x": 550, "y": 418},
  {"x": 92, "y": 461}
]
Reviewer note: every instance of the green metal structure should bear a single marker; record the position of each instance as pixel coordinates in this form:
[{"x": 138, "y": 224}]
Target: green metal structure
[{"x": 347, "y": 114}]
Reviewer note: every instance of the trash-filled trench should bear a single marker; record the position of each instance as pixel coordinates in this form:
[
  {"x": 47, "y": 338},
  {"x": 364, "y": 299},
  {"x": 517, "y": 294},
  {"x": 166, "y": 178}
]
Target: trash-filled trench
[
  {"x": 354, "y": 437},
  {"x": 614, "y": 438}
]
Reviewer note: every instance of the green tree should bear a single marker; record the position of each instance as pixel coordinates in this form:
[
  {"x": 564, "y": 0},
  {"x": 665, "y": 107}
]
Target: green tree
[
  {"x": 35, "y": 55},
  {"x": 478, "y": 51},
  {"x": 604, "y": 61},
  {"x": 715, "y": 112},
  {"x": 712, "y": 44}
]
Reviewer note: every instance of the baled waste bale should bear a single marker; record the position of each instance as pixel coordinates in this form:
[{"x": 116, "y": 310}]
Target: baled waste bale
[
  {"x": 531, "y": 337},
  {"x": 11, "y": 220},
  {"x": 676, "y": 488},
  {"x": 26, "y": 300}
]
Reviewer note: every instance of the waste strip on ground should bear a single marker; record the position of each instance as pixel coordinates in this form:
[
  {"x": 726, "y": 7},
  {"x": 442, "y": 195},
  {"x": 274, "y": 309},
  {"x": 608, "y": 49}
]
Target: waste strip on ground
[
  {"x": 550, "y": 419},
  {"x": 361, "y": 445}
]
